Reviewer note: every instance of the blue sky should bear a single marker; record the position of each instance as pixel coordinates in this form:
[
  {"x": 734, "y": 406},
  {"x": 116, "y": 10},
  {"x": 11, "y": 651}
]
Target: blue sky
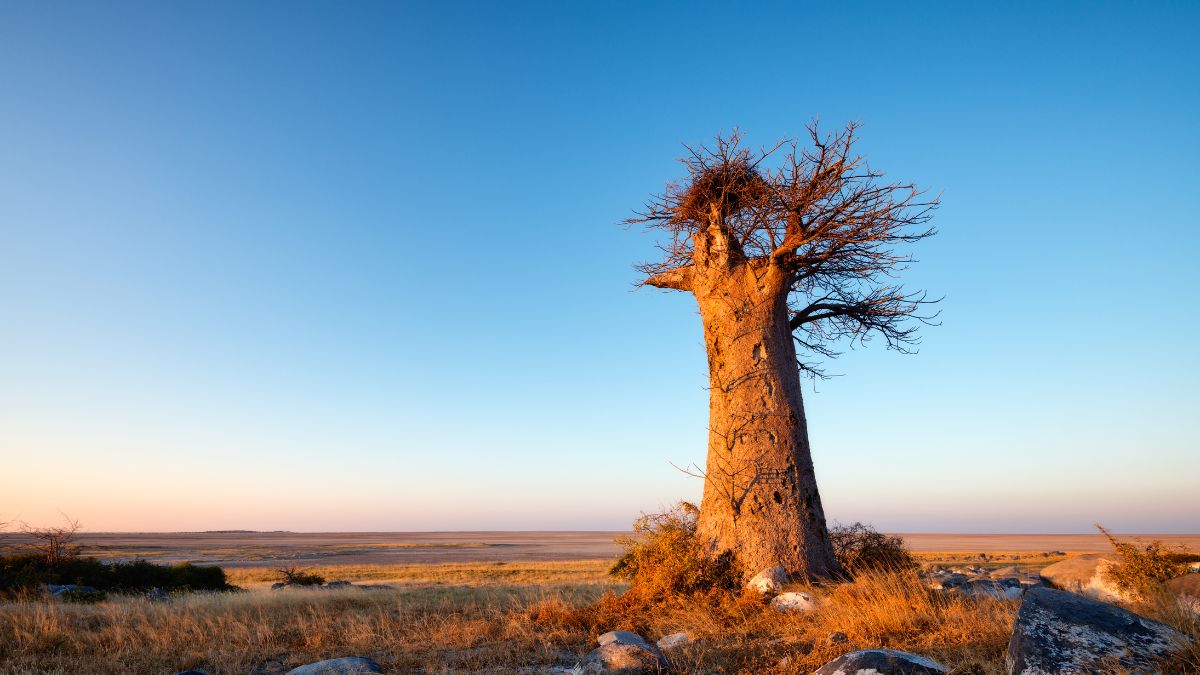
[{"x": 359, "y": 267}]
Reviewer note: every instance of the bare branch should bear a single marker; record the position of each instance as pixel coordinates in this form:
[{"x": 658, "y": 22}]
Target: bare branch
[
  {"x": 819, "y": 219},
  {"x": 679, "y": 279},
  {"x": 55, "y": 543}
]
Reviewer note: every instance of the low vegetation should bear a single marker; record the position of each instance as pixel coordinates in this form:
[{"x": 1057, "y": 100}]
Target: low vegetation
[
  {"x": 294, "y": 576},
  {"x": 1141, "y": 570},
  {"x": 28, "y": 572},
  {"x": 860, "y": 548},
  {"x": 548, "y": 573},
  {"x": 665, "y": 559},
  {"x": 497, "y": 627},
  {"x": 504, "y": 617}
]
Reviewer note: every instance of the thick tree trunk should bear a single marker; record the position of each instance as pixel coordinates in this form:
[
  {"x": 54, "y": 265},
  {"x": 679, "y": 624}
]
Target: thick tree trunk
[{"x": 760, "y": 492}]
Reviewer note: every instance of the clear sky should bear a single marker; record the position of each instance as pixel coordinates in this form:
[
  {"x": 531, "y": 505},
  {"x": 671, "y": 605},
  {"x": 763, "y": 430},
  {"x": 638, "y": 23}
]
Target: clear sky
[{"x": 358, "y": 266}]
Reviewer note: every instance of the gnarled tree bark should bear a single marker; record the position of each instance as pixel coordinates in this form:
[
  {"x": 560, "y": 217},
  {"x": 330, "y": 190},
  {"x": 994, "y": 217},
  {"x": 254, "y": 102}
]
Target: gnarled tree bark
[{"x": 776, "y": 259}]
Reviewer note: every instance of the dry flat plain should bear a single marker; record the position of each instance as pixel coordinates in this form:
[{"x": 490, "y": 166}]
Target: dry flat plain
[
  {"x": 264, "y": 549},
  {"x": 499, "y": 602}
]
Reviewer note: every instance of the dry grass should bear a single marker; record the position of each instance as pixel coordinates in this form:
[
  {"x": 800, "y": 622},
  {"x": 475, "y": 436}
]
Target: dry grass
[
  {"x": 457, "y": 574},
  {"x": 492, "y": 627},
  {"x": 1026, "y": 560},
  {"x": 886, "y": 609}
]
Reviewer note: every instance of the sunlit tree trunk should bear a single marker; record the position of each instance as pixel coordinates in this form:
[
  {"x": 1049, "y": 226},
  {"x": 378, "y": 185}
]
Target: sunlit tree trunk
[{"x": 760, "y": 492}]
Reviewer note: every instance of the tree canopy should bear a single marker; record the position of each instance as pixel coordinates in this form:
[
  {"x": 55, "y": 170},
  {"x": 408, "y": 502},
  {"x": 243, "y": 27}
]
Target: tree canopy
[{"x": 813, "y": 221}]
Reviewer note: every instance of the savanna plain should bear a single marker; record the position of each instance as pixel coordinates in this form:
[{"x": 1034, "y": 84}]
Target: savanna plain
[{"x": 524, "y": 602}]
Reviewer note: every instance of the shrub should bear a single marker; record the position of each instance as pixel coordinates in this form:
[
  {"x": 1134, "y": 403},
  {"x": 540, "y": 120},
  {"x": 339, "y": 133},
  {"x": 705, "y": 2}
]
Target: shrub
[
  {"x": 860, "y": 548},
  {"x": 1141, "y": 571},
  {"x": 665, "y": 558},
  {"x": 294, "y": 576},
  {"x": 26, "y": 571}
]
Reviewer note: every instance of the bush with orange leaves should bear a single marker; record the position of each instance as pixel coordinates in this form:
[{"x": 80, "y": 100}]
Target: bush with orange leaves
[{"x": 665, "y": 559}]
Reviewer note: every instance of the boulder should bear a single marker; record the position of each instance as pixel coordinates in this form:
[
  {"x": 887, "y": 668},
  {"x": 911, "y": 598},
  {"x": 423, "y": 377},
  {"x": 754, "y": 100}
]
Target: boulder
[
  {"x": 793, "y": 601},
  {"x": 348, "y": 665},
  {"x": 673, "y": 640},
  {"x": 941, "y": 582},
  {"x": 1084, "y": 574},
  {"x": 1061, "y": 632},
  {"x": 58, "y": 590},
  {"x": 881, "y": 662},
  {"x": 768, "y": 582},
  {"x": 1007, "y": 589},
  {"x": 621, "y": 651},
  {"x": 338, "y": 584},
  {"x": 1185, "y": 589}
]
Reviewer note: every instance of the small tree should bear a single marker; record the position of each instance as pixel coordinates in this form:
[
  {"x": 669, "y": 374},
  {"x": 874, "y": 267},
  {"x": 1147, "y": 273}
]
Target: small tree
[
  {"x": 55, "y": 543},
  {"x": 294, "y": 576},
  {"x": 783, "y": 262}
]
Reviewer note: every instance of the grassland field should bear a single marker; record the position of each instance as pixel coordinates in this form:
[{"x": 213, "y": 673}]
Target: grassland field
[{"x": 497, "y": 603}]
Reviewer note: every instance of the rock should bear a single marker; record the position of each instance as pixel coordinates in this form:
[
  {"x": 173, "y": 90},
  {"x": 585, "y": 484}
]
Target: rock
[
  {"x": 1084, "y": 574},
  {"x": 74, "y": 592},
  {"x": 1061, "y": 632},
  {"x": 837, "y": 637},
  {"x": 1185, "y": 589},
  {"x": 338, "y": 584},
  {"x": 881, "y": 662},
  {"x": 623, "y": 637},
  {"x": 1188, "y": 584},
  {"x": 1008, "y": 589},
  {"x": 1005, "y": 571},
  {"x": 191, "y": 672},
  {"x": 673, "y": 640},
  {"x": 278, "y": 585},
  {"x": 768, "y": 582},
  {"x": 947, "y": 581},
  {"x": 621, "y": 651},
  {"x": 58, "y": 590},
  {"x": 793, "y": 601},
  {"x": 348, "y": 665},
  {"x": 1023, "y": 578}
]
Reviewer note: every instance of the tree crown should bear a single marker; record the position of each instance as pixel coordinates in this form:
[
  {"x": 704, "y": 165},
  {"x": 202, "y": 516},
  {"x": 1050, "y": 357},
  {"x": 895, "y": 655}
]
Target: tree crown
[{"x": 815, "y": 217}]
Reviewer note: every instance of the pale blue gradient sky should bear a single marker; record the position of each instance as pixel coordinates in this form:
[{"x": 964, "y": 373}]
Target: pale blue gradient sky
[{"x": 312, "y": 266}]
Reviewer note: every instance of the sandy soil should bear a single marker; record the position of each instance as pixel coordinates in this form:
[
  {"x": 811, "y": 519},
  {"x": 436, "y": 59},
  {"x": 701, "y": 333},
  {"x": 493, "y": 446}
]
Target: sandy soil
[{"x": 230, "y": 549}]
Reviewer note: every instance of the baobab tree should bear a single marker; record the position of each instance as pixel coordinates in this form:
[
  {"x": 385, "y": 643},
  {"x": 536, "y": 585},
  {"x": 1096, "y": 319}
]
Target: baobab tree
[{"x": 788, "y": 250}]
